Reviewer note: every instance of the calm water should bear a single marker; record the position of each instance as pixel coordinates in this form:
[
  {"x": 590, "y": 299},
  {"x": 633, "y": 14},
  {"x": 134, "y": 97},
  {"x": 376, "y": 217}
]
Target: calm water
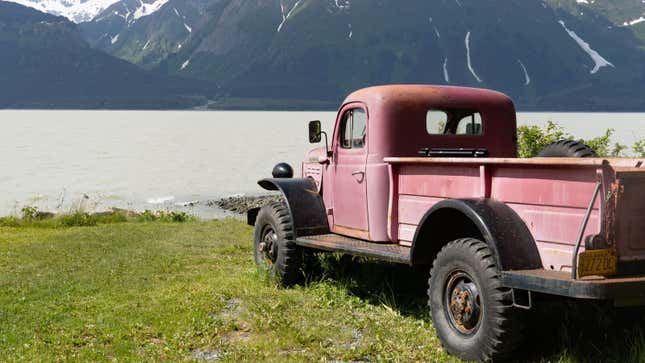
[{"x": 57, "y": 160}]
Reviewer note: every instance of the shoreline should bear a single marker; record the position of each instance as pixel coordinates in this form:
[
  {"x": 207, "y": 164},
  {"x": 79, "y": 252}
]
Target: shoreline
[{"x": 233, "y": 206}]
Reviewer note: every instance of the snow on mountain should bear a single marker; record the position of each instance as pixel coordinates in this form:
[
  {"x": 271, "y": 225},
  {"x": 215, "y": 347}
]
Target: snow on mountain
[
  {"x": 147, "y": 9},
  {"x": 80, "y": 11},
  {"x": 634, "y": 22},
  {"x": 595, "y": 56},
  {"x": 75, "y": 10}
]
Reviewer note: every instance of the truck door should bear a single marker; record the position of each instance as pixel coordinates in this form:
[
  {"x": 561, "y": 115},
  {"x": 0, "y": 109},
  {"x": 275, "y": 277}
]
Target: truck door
[{"x": 350, "y": 185}]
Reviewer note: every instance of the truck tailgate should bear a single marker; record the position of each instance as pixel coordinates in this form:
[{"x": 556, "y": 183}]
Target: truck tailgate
[{"x": 626, "y": 210}]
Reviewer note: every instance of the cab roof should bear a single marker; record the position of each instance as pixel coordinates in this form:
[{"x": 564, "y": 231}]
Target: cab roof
[{"x": 438, "y": 96}]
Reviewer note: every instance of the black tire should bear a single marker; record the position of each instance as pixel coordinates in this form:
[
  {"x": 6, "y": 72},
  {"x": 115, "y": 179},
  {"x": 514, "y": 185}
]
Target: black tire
[
  {"x": 274, "y": 249},
  {"x": 567, "y": 149},
  {"x": 482, "y": 325}
]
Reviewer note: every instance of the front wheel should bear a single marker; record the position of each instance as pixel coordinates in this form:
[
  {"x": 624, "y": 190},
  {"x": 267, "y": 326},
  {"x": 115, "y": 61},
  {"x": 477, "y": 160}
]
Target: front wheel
[
  {"x": 471, "y": 311},
  {"x": 274, "y": 249}
]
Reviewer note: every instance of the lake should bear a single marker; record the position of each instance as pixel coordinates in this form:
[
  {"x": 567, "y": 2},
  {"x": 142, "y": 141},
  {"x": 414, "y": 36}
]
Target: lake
[{"x": 58, "y": 160}]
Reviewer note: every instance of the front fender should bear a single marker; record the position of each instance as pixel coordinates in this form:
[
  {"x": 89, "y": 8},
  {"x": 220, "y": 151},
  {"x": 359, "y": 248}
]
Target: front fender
[
  {"x": 305, "y": 204},
  {"x": 506, "y": 234}
]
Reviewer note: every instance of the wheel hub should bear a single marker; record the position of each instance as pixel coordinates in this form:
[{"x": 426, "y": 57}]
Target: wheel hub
[
  {"x": 268, "y": 245},
  {"x": 463, "y": 302}
]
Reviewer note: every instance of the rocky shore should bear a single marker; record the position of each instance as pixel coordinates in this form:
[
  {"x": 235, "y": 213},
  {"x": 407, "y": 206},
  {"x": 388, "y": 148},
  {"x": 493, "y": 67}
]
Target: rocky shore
[{"x": 241, "y": 204}]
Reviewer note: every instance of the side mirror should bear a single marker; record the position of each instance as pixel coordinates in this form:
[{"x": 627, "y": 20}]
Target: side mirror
[{"x": 315, "y": 132}]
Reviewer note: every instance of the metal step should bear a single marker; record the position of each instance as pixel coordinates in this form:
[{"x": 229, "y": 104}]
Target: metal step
[{"x": 336, "y": 243}]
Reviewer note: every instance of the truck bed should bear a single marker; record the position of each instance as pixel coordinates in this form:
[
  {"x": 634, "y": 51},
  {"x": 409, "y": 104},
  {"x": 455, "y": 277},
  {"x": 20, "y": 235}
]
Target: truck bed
[{"x": 550, "y": 195}]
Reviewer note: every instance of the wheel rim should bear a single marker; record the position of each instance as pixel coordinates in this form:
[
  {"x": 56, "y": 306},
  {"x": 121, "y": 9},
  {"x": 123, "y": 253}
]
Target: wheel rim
[
  {"x": 268, "y": 245},
  {"x": 462, "y": 303}
]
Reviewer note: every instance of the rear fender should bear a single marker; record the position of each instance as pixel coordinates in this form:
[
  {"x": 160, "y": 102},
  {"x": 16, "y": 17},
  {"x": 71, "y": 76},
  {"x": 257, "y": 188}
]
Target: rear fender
[
  {"x": 305, "y": 205},
  {"x": 506, "y": 234}
]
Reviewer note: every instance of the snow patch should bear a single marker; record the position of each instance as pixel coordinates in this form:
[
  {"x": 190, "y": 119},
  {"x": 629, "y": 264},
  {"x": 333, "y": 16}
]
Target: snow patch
[
  {"x": 146, "y": 45},
  {"x": 176, "y": 12},
  {"x": 436, "y": 31},
  {"x": 285, "y": 14},
  {"x": 147, "y": 9},
  {"x": 343, "y": 4},
  {"x": 185, "y": 64},
  {"x": 634, "y": 22},
  {"x": 597, "y": 58},
  {"x": 74, "y": 10},
  {"x": 351, "y": 31},
  {"x": 114, "y": 39},
  {"x": 527, "y": 78},
  {"x": 458, "y": 3},
  {"x": 470, "y": 65},
  {"x": 446, "y": 76},
  {"x": 190, "y": 30}
]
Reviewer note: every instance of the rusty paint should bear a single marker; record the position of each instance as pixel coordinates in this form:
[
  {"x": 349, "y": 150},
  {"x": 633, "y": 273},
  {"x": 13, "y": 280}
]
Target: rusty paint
[{"x": 351, "y": 232}]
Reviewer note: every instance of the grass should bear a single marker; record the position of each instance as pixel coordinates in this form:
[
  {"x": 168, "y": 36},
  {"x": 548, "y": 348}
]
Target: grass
[{"x": 166, "y": 291}]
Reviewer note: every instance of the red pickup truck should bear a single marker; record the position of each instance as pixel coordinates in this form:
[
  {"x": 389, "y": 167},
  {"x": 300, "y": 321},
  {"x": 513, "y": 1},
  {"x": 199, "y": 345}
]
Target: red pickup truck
[{"x": 429, "y": 176}]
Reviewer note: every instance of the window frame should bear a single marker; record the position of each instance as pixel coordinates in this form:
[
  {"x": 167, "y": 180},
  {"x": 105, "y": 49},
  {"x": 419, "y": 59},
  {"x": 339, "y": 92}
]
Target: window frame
[
  {"x": 338, "y": 137},
  {"x": 449, "y": 113}
]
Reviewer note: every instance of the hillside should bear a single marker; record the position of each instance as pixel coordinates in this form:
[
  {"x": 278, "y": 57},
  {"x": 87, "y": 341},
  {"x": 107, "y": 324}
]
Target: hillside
[
  {"x": 47, "y": 64},
  {"x": 315, "y": 51},
  {"x": 623, "y": 13}
]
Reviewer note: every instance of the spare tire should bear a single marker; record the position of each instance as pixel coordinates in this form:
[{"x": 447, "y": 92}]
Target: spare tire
[{"x": 567, "y": 149}]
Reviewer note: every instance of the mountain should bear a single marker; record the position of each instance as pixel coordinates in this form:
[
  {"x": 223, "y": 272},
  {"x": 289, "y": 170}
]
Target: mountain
[
  {"x": 74, "y": 10},
  {"x": 123, "y": 31},
  {"x": 623, "y": 13},
  {"x": 546, "y": 56},
  {"x": 47, "y": 64}
]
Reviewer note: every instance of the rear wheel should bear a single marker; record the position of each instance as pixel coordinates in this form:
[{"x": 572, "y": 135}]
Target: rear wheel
[
  {"x": 567, "y": 149},
  {"x": 471, "y": 311},
  {"x": 274, "y": 249}
]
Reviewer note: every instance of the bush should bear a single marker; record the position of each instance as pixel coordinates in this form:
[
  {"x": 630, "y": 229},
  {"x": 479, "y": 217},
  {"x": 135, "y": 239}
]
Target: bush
[
  {"x": 165, "y": 216},
  {"x": 78, "y": 219},
  {"x": 532, "y": 139},
  {"x": 9, "y": 222}
]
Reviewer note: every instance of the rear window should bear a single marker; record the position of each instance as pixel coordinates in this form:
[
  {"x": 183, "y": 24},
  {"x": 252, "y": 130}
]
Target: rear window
[{"x": 454, "y": 122}]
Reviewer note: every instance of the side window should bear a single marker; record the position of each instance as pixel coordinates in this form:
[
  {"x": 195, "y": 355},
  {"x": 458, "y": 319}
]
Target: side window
[
  {"x": 346, "y": 130},
  {"x": 353, "y": 128},
  {"x": 470, "y": 125},
  {"x": 436, "y": 122},
  {"x": 359, "y": 128}
]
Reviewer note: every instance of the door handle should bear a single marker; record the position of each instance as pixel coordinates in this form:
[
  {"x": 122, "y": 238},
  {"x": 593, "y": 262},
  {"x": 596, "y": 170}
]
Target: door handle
[{"x": 356, "y": 172}]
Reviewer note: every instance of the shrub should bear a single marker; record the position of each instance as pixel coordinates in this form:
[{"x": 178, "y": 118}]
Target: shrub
[
  {"x": 165, "y": 216},
  {"x": 78, "y": 219},
  {"x": 9, "y": 221},
  {"x": 532, "y": 139}
]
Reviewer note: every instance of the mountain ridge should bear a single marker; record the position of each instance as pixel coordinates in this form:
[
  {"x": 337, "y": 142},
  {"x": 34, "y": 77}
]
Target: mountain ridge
[{"x": 49, "y": 65}]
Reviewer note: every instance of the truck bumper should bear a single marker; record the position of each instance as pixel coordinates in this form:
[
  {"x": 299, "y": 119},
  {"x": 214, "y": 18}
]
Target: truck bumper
[{"x": 622, "y": 290}]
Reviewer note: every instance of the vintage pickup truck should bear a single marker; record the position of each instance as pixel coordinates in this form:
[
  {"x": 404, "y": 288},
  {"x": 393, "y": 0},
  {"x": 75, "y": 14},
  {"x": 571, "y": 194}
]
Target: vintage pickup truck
[{"x": 429, "y": 176}]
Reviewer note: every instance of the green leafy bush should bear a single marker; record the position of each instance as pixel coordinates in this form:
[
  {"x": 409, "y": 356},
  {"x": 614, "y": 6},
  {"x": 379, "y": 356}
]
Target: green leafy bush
[
  {"x": 78, "y": 219},
  {"x": 165, "y": 216},
  {"x": 532, "y": 139}
]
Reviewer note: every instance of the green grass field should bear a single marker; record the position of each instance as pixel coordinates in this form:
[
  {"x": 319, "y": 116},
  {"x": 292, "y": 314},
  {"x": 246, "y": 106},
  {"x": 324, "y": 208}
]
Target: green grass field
[{"x": 164, "y": 291}]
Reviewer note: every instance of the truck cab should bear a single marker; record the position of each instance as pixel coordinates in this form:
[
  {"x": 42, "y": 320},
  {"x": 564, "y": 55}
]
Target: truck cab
[
  {"x": 401, "y": 121},
  {"x": 428, "y": 176}
]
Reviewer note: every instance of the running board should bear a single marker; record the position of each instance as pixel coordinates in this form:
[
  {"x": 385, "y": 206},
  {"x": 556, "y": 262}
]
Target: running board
[{"x": 336, "y": 243}]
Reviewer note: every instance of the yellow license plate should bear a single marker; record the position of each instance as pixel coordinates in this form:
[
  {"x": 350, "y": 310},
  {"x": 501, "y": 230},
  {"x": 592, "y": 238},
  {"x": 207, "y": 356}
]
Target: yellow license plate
[{"x": 597, "y": 262}]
